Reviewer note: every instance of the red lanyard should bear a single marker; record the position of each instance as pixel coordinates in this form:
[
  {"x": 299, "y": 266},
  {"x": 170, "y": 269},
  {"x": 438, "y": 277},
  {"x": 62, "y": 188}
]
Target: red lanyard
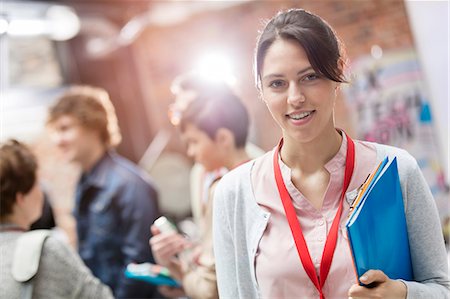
[{"x": 330, "y": 244}]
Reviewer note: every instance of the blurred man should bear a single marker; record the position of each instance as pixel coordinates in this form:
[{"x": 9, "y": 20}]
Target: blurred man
[
  {"x": 214, "y": 125},
  {"x": 115, "y": 202},
  {"x": 186, "y": 88}
]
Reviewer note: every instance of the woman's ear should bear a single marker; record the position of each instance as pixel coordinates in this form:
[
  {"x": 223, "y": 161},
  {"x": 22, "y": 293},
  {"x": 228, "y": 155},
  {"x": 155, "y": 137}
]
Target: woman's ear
[
  {"x": 342, "y": 63},
  {"x": 341, "y": 66},
  {"x": 337, "y": 87}
]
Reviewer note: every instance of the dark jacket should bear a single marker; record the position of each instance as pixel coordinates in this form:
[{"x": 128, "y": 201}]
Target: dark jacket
[{"x": 116, "y": 203}]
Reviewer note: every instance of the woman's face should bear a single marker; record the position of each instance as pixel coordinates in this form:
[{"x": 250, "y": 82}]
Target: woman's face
[{"x": 300, "y": 100}]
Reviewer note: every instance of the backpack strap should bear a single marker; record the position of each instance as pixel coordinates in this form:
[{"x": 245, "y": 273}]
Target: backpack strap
[{"x": 27, "y": 255}]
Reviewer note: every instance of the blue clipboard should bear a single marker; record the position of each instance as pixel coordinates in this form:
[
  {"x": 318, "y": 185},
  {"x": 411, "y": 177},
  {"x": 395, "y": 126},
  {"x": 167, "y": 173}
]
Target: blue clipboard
[{"x": 377, "y": 229}]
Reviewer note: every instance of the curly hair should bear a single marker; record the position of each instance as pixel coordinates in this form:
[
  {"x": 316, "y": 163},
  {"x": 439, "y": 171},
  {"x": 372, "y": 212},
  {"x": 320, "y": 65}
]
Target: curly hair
[
  {"x": 93, "y": 108},
  {"x": 18, "y": 168}
]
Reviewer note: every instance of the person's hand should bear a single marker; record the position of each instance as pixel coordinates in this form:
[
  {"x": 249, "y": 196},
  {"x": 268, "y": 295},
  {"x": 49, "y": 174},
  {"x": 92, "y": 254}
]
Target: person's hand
[
  {"x": 383, "y": 287},
  {"x": 165, "y": 246},
  {"x": 171, "y": 292},
  {"x": 197, "y": 251}
]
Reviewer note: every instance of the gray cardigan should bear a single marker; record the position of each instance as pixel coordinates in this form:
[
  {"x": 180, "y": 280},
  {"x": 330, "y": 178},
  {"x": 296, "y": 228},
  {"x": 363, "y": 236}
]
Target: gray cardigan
[
  {"x": 61, "y": 274},
  {"x": 239, "y": 223}
]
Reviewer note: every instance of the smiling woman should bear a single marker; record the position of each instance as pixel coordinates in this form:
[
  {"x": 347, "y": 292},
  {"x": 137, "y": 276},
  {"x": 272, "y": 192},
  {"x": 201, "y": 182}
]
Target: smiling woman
[
  {"x": 300, "y": 99},
  {"x": 288, "y": 207}
]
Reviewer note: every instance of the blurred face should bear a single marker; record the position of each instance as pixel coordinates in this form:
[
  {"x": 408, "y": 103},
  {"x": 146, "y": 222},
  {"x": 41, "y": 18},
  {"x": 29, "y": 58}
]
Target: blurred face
[
  {"x": 201, "y": 148},
  {"x": 72, "y": 139},
  {"x": 34, "y": 200},
  {"x": 300, "y": 100}
]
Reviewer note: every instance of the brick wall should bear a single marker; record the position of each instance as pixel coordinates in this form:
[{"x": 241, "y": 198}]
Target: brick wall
[{"x": 169, "y": 51}]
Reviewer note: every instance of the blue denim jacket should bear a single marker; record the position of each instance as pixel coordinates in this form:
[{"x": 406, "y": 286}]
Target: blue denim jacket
[{"x": 115, "y": 205}]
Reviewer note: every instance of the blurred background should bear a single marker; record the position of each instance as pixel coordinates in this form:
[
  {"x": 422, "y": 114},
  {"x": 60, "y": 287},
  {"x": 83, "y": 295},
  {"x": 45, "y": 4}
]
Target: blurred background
[{"x": 398, "y": 65}]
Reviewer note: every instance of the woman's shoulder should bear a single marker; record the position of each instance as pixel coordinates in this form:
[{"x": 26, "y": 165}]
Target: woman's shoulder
[
  {"x": 42, "y": 248},
  {"x": 55, "y": 250},
  {"x": 384, "y": 150},
  {"x": 58, "y": 253},
  {"x": 62, "y": 274},
  {"x": 405, "y": 161},
  {"x": 59, "y": 257}
]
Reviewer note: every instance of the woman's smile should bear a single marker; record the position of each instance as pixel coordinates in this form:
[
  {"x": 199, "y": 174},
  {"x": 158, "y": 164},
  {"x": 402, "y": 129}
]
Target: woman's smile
[{"x": 299, "y": 118}]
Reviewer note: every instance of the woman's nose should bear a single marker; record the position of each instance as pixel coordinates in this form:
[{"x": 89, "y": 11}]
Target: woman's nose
[{"x": 295, "y": 95}]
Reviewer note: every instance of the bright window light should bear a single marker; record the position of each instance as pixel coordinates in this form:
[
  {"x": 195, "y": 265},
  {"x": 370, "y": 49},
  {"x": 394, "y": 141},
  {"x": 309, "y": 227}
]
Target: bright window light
[
  {"x": 27, "y": 27},
  {"x": 59, "y": 23},
  {"x": 64, "y": 22},
  {"x": 3, "y": 26},
  {"x": 376, "y": 51},
  {"x": 216, "y": 67}
]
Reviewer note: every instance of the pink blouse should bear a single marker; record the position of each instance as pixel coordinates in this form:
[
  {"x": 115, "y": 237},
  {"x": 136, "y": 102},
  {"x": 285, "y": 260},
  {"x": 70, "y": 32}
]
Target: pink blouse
[{"x": 279, "y": 271}]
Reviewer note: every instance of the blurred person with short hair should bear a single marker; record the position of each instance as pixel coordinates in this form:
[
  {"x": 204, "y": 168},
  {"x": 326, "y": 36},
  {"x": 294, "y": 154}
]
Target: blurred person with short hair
[
  {"x": 185, "y": 87},
  {"x": 60, "y": 272},
  {"x": 115, "y": 201},
  {"x": 214, "y": 125}
]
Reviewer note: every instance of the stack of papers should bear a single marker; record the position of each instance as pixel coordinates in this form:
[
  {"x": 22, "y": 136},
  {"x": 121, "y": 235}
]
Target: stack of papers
[{"x": 376, "y": 227}]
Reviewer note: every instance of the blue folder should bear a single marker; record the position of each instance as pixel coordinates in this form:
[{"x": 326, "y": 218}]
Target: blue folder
[{"x": 377, "y": 230}]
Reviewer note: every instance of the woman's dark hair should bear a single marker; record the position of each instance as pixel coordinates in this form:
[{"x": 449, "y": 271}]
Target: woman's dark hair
[
  {"x": 315, "y": 35},
  {"x": 215, "y": 106},
  {"x": 17, "y": 173}
]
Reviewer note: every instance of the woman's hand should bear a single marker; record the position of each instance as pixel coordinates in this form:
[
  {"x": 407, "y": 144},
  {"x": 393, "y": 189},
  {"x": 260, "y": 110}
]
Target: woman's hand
[
  {"x": 383, "y": 287},
  {"x": 165, "y": 246}
]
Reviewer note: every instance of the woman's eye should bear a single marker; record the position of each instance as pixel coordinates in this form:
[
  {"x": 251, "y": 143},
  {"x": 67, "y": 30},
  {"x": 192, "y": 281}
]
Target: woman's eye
[
  {"x": 311, "y": 77},
  {"x": 276, "y": 84}
]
